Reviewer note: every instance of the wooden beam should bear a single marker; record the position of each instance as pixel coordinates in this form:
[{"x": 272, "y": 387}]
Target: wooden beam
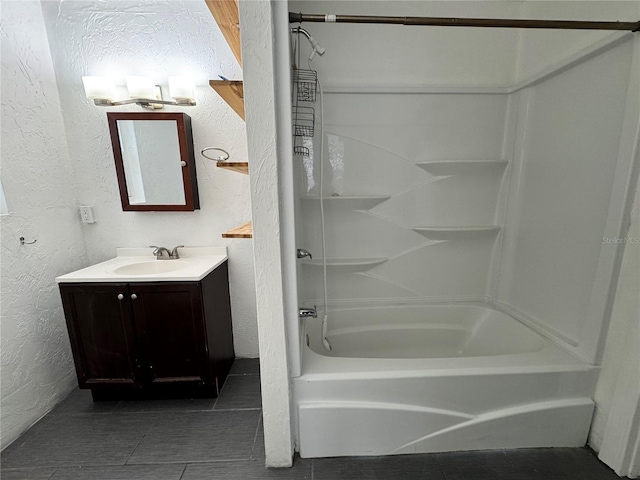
[
  {"x": 232, "y": 92},
  {"x": 225, "y": 13}
]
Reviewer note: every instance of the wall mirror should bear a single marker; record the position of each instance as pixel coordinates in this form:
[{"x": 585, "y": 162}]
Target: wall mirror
[{"x": 154, "y": 159}]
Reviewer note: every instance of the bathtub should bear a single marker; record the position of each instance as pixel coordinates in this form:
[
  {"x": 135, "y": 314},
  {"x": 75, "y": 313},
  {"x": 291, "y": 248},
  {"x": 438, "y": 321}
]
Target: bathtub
[{"x": 434, "y": 378}]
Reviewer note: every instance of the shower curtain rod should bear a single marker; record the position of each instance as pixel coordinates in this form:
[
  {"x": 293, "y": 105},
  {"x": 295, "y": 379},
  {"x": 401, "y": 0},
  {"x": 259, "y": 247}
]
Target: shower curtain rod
[{"x": 464, "y": 22}]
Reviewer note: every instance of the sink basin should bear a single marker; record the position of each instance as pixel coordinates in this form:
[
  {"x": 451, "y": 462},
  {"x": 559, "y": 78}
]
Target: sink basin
[{"x": 150, "y": 268}]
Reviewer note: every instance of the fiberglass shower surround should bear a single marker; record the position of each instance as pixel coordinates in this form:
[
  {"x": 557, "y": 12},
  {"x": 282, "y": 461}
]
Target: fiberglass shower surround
[{"x": 468, "y": 285}]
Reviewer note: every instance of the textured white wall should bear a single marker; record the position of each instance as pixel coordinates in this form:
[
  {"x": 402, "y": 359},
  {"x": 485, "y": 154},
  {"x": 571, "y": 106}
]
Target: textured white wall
[
  {"x": 37, "y": 368},
  {"x": 264, "y": 148},
  {"x": 156, "y": 39}
]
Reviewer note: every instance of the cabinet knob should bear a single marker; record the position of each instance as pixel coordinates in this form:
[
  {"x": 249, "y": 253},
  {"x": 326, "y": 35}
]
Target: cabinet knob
[
  {"x": 133, "y": 296},
  {"x": 120, "y": 296},
  {"x": 183, "y": 163}
]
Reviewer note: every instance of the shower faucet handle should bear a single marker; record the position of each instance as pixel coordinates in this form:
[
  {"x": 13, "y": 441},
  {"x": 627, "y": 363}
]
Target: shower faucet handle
[{"x": 302, "y": 253}]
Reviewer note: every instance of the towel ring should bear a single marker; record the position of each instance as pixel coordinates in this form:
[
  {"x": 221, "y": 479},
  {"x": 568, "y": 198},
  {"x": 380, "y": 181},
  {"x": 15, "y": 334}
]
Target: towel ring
[{"x": 221, "y": 158}]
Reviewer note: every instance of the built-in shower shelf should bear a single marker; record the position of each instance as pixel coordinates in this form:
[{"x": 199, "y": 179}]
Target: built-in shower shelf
[
  {"x": 354, "y": 202},
  {"x": 445, "y": 233},
  {"x": 461, "y": 167},
  {"x": 351, "y": 265},
  {"x": 232, "y": 92},
  {"x": 240, "y": 167}
]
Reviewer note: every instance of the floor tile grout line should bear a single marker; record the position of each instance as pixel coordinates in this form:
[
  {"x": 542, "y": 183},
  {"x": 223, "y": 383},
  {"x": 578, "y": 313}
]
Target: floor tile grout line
[
  {"x": 183, "y": 470},
  {"x": 255, "y": 436},
  {"x": 115, "y": 408},
  {"x": 177, "y": 410},
  {"x": 157, "y": 412},
  {"x": 134, "y": 449},
  {"x": 182, "y": 462},
  {"x": 69, "y": 414},
  {"x": 69, "y": 465},
  {"x": 441, "y": 470},
  {"x": 247, "y": 409}
]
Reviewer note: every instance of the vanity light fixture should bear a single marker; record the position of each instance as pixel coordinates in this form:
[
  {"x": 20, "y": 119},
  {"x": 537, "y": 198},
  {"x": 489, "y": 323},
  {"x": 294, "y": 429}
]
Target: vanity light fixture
[
  {"x": 181, "y": 89},
  {"x": 142, "y": 91},
  {"x": 140, "y": 87}
]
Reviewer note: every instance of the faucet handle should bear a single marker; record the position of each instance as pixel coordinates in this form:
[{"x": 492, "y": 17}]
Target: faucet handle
[
  {"x": 158, "y": 252},
  {"x": 174, "y": 253},
  {"x": 301, "y": 253}
]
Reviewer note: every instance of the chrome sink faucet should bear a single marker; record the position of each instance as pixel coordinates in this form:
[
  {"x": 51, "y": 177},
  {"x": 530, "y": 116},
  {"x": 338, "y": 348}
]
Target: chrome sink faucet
[{"x": 160, "y": 252}]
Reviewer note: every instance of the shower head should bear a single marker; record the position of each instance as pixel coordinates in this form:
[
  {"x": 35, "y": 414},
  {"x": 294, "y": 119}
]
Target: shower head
[{"x": 316, "y": 48}]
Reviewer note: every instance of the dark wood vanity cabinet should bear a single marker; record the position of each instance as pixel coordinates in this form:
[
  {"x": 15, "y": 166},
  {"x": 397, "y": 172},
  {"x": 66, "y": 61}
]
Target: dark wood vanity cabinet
[{"x": 151, "y": 338}]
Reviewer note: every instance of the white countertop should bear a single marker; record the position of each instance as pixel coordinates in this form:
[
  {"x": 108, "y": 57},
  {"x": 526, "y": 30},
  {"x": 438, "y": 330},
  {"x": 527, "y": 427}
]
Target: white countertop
[{"x": 194, "y": 264}]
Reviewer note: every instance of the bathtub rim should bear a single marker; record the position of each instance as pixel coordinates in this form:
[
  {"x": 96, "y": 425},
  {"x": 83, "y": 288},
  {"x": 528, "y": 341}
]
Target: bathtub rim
[{"x": 551, "y": 358}]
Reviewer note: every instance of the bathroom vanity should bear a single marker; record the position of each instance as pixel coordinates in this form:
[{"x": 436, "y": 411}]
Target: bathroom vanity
[{"x": 139, "y": 326}]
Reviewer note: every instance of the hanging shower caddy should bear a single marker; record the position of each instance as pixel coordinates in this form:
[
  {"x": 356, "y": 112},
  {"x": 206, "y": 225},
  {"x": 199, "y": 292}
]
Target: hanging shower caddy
[
  {"x": 305, "y": 87},
  {"x": 305, "y": 83},
  {"x": 304, "y": 119},
  {"x": 300, "y": 150}
]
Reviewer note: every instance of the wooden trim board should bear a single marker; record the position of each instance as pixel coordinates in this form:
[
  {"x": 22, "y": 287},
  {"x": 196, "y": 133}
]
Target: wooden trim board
[
  {"x": 240, "y": 167},
  {"x": 225, "y": 12},
  {"x": 243, "y": 231},
  {"x": 232, "y": 92}
]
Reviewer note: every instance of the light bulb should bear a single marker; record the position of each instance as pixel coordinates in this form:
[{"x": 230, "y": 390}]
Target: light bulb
[
  {"x": 98, "y": 88},
  {"x": 181, "y": 88},
  {"x": 141, "y": 87}
]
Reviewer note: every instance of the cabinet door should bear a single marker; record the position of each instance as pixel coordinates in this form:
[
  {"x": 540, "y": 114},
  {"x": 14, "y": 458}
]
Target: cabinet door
[
  {"x": 171, "y": 332},
  {"x": 101, "y": 333}
]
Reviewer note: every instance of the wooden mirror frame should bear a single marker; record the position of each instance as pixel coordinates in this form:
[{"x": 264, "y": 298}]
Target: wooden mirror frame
[{"x": 185, "y": 139}]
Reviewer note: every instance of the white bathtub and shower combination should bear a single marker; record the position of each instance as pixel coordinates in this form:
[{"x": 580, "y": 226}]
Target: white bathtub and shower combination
[
  {"x": 415, "y": 379},
  {"x": 468, "y": 288}
]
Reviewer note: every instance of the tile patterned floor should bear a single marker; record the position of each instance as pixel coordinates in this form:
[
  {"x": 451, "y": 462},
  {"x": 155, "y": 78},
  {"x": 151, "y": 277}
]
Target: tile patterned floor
[{"x": 209, "y": 439}]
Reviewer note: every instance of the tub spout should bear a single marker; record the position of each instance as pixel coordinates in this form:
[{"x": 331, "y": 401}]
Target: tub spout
[{"x": 308, "y": 312}]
